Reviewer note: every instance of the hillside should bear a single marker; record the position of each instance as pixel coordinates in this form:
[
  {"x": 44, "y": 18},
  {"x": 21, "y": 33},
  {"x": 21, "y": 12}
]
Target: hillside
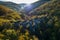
[
  {"x": 43, "y": 23},
  {"x": 26, "y": 8},
  {"x": 32, "y": 6},
  {"x": 13, "y": 6},
  {"x": 49, "y": 15},
  {"x": 7, "y": 15},
  {"x": 51, "y": 8}
]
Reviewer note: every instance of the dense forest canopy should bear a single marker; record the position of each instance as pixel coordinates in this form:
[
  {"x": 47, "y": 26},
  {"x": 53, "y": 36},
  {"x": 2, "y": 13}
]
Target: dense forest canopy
[{"x": 42, "y": 23}]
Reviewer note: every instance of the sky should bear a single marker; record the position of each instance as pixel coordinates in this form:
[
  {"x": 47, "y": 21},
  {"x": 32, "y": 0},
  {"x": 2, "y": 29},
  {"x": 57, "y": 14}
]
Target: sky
[{"x": 21, "y": 1}]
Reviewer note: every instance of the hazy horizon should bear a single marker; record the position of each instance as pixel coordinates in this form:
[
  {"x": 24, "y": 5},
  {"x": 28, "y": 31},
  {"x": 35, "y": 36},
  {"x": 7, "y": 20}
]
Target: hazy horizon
[{"x": 21, "y": 1}]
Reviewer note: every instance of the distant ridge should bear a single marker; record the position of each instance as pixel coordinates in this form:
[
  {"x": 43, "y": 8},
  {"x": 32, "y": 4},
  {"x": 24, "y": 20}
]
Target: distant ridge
[{"x": 26, "y": 9}]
